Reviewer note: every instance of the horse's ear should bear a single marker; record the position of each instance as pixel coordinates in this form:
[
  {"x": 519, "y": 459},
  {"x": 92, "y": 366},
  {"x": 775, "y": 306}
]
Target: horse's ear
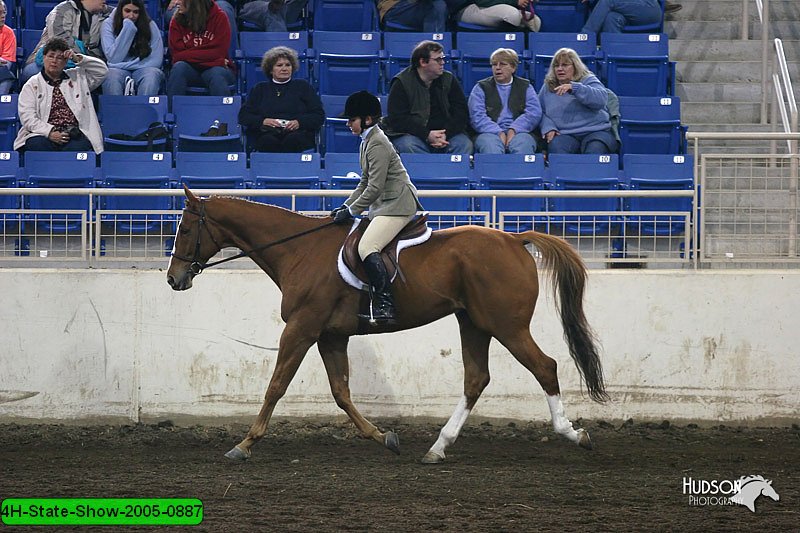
[{"x": 189, "y": 194}]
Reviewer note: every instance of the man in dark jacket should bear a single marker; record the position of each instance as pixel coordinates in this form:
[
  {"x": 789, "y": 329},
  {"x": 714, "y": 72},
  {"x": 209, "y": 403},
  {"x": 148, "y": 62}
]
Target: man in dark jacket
[{"x": 427, "y": 110}]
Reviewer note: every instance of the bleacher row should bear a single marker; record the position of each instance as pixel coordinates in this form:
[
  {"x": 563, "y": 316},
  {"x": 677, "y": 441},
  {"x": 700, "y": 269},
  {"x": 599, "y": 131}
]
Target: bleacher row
[
  {"x": 338, "y": 171},
  {"x": 647, "y": 124}
]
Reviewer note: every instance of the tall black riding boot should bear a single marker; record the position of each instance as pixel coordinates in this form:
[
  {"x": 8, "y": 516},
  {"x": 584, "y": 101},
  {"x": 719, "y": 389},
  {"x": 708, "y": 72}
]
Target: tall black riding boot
[{"x": 382, "y": 301}]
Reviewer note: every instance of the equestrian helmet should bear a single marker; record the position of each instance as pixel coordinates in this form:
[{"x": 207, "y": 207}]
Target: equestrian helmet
[{"x": 362, "y": 104}]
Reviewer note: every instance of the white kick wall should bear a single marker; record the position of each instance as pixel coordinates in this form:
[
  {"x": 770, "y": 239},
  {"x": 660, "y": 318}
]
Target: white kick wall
[{"x": 117, "y": 345}]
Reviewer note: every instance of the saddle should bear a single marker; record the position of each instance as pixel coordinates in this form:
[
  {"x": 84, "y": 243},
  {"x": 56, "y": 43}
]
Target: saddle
[{"x": 415, "y": 232}]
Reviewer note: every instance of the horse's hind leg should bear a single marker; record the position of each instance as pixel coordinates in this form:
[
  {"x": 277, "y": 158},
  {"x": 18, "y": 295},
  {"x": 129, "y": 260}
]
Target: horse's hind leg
[
  {"x": 475, "y": 355},
  {"x": 544, "y": 368},
  {"x": 333, "y": 349}
]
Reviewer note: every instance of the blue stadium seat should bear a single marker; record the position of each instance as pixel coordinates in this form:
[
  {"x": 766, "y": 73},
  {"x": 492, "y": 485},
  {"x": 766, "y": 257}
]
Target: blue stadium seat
[
  {"x": 397, "y": 47},
  {"x": 213, "y": 170},
  {"x": 652, "y": 172},
  {"x": 503, "y": 172},
  {"x": 8, "y": 121},
  {"x": 347, "y": 62},
  {"x": 442, "y": 172},
  {"x": 651, "y": 125},
  {"x": 131, "y": 115},
  {"x": 9, "y": 178},
  {"x": 27, "y": 41},
  {"x": 137, "y": 170},
  {"x": 345, "y": 15},
  {"x": 287, "y": 171},
  {"x": 35, "y": 12},
  {"x": 342, "y": 172},
  {"x": 254, "y": 44},
  {"x": 194, "y": 115},
  {"x": 59, "y": 169},
  {"x": 336, "y": 136},
  {"x": 474, "y": 49},
  {"x": 637, "y": 64},
  {"x": 655, "y": 27},
  {"x": 564, "y": 16},
  {"x": 12, "y": 15},
  {"x": 585, "y": 172},
  {"x": 543, "y": 46}
]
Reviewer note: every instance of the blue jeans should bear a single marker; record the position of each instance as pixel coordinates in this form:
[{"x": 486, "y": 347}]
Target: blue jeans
[
  {"x": 40, "y": 143},
  {"x": 428, "y": 16},
  {"x": 596, "y": 142},
  {"x": 490, "y": 143},
  {"x": 6, "y": 86},
  {"x": 216, "y": 79},
  {"x": 411, "y": 144},
  {"x": 612, "y": 15},
  {"x": 257, "y": 12},
  {"x": 30, "y": 70},
  {"x": 147, "y": 80}
]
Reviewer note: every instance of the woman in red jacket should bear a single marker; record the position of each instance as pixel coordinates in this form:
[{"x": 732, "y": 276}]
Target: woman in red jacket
[{"x": 199, "y": 39}]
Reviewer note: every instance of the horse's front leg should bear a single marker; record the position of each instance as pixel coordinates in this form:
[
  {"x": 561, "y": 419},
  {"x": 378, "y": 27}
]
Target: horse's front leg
[
  {"x": 295, "y": 342},
  {"x": 333, "y": 349}
]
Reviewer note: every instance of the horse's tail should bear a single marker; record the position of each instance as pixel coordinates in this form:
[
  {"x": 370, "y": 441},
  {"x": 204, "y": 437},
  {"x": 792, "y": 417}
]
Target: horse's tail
[{"x": 568, "y": 278}]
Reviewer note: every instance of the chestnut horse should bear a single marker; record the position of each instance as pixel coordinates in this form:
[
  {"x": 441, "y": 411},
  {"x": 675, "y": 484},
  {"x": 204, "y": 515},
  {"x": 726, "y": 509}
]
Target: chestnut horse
[{"x": 486, "y": 277}]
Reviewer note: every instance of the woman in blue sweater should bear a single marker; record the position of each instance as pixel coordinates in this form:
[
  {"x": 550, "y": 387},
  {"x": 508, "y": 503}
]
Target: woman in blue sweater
[
  {"x": 575, "y": 118},
  {"x": 134, "y": 50},
  {"x": 282, "y": 114}
]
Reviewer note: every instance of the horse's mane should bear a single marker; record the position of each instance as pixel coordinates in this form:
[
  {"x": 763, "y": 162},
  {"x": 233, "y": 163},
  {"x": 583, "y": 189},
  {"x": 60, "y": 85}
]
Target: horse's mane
[
  {"x": 750, "y": 479},
  {"x": 239, "y": 199}
]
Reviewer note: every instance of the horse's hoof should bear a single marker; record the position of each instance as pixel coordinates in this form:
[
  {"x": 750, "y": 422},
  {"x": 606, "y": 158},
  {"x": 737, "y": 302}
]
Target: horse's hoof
[
  {"x": 583, "y": 439},
  {"x": 432, "y": 458},
  {"x": 392, "y": 441},
  {"x": 237, "y": 454}
]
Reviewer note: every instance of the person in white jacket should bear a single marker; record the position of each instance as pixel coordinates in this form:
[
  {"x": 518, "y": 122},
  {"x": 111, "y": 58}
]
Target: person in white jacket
[
  {"x": 134, "y": 50},
  {"x": 55, "y": 106}
]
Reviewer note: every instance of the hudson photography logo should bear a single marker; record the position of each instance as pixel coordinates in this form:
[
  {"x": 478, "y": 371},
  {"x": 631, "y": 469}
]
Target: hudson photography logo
[{"x": 743, "y": 491}]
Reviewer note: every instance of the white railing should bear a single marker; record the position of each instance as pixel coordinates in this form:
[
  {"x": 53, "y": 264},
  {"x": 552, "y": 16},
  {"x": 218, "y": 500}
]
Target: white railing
[{"x": 601, "y": 237}]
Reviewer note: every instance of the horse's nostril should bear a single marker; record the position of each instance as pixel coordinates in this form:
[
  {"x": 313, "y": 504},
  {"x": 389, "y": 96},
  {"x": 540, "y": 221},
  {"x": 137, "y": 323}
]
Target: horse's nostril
[{"x": 171, "y": 281}]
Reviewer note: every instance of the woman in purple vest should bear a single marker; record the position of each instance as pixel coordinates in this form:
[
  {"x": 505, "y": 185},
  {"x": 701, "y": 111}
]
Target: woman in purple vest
[{"x": 504, "y": 109}]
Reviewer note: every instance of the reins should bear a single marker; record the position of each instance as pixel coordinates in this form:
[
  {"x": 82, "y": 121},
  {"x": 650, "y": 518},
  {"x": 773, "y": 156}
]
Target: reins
[{"x": 197, "y": 267}]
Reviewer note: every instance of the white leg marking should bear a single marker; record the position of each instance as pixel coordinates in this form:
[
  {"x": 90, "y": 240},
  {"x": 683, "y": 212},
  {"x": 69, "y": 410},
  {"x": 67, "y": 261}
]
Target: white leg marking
[
  {"x": 450, "y": 431},
  {"x": 561, "y": 423}
]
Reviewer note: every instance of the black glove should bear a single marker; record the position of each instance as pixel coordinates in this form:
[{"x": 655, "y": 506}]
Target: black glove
[
  {"x": 342, "y": 215},
  {"x": 334, "y": 211}
]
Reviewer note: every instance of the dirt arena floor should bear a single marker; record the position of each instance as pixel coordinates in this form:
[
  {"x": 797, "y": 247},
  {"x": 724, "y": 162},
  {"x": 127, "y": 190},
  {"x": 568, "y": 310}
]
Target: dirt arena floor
[{"x": 498, "y": 476}]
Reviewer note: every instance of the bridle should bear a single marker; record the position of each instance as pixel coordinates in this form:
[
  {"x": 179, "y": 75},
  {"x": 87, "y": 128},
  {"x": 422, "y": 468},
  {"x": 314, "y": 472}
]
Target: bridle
[{"x": 197, "y": 267}]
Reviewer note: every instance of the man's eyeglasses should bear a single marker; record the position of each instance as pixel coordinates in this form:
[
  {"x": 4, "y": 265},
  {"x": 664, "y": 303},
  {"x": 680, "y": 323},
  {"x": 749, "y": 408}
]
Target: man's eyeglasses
[{"x": 440, "y": 60}]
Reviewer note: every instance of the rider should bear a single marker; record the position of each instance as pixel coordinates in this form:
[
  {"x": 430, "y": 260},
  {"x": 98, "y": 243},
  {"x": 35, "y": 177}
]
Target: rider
[{"x": 385, "y": 189}]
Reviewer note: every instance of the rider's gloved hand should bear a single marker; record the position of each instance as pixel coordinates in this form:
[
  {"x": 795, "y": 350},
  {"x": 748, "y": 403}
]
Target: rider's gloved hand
[
  {"x": 342, "y": 215},
  {"x": 336, "y": 210}
]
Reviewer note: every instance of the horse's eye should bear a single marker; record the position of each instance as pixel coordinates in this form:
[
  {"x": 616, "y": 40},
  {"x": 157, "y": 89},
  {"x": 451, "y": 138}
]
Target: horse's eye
[{"x": 183, "y": 231}]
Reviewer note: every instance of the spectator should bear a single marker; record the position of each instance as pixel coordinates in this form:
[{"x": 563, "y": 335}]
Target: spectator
[
  {"x": 428, "y": 16},
  {"x": 270, "y": 15},
  {"x": 8, "y": 53},
  {"x": 199, "y": 38},
  {"x": 55, "y": 106},
  {"x": 282, "y": 114},
  {"x": 134, "y": 50},
  {"x": 575, "y": 117},
  {"x": 224, "y": 5},
  {"x": 427, "y": 108},
  {"x": 611, "y": 16},
  {"x": 498, "y": 13},
  {"x": 78, "y": 22},
  {"x": 504, "y": 108}
]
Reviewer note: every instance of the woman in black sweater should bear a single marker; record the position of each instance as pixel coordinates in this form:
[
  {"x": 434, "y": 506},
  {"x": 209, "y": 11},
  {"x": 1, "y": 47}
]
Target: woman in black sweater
[{"x": 282, "y": 114}]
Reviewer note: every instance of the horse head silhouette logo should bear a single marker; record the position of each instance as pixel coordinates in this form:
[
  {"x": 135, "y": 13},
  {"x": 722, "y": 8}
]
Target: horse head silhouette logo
[{"x": 751, "y": 488}]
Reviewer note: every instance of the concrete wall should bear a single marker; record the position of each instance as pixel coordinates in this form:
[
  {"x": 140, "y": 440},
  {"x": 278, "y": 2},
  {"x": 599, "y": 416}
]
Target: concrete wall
[{"x": 119, "y": 344}]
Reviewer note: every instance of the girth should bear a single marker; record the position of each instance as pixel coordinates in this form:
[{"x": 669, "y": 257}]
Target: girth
[{"x": 416, "y": 228}]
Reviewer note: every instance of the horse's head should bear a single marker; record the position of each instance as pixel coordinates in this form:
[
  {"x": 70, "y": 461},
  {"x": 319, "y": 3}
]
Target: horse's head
[{"x": 194, "y": 244}]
